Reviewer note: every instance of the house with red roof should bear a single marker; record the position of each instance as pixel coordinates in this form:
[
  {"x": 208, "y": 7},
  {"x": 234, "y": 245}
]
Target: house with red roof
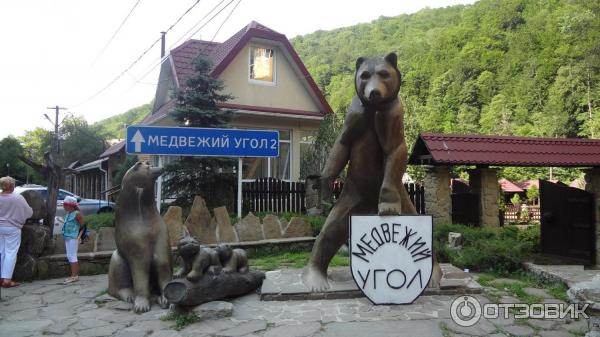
[{"x": 271, "y": 87}]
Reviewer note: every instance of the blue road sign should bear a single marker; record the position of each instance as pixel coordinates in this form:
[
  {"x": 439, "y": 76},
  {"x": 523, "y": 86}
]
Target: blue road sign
[{"x": 181, "y": 141}]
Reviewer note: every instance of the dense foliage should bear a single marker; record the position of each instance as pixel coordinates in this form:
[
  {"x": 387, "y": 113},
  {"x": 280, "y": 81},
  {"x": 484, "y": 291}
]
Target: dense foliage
[
  {"x": 512, "y": 67},
  {"x": 114, "y": 127},
  {"x": 209, "y": 177},
  {"x": 501, "y": 250}
]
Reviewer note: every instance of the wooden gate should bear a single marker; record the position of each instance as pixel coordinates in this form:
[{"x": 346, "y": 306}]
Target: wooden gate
[
  {"x": 567, "y": 220},
  {"x": 465, "y": 209}
]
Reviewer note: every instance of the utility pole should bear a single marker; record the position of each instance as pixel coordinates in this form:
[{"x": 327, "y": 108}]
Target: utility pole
[
  {"x": 54, "y": 171},
  {"x": 55, "y": 138}
]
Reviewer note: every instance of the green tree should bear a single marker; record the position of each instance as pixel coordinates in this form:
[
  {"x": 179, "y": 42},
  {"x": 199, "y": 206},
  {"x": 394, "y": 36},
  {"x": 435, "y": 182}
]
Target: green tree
[
  {"x": 79, "y": 141},
  {"x": 196, "y": 106},
  {"x": 10, "y": 164}
]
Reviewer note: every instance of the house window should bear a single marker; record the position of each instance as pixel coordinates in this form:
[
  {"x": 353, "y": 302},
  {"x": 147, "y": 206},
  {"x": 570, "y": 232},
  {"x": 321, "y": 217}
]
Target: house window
[
  {"x": 307, "y": 159},
  {"x": 262, "y": 65},
  {"x": 277, "y": 167}
]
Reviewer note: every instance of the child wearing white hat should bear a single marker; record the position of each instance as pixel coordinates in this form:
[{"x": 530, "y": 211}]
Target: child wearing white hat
[{"x": 72, "y": 234}]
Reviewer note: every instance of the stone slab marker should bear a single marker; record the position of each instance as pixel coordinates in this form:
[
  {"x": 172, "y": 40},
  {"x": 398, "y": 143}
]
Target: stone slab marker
[
  {"x": 105, "y": 239},
  {"x": 199, "y": 222},
  {"x": 225, "y": 231},
  {"x": 297, "y": 228},
  {"x": 173, "y": 219},
  {"x": 271, "y": 227},
  {"x": 249, "y": 228}
]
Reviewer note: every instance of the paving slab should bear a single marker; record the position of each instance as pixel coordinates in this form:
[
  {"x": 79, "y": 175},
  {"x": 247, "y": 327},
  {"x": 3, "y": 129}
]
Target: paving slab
[
  {"x": 381, "y": 329},
  {"x": 286, "y": 284},
  {"x": 86, "y": 310}
]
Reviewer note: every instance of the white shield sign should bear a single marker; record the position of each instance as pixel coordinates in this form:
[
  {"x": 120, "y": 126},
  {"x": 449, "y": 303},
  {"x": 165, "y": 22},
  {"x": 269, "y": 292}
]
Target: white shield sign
[{"x": 391, "y": 257}]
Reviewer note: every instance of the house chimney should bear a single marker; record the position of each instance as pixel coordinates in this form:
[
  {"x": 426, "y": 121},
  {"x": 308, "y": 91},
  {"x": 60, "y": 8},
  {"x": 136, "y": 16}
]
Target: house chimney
[{"x": 162, "y": 44}]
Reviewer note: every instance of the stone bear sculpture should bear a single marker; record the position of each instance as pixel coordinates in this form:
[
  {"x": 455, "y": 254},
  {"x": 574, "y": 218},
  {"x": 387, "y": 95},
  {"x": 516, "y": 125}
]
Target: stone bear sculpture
[
  {"x": 197, "y": 260},
  {"x": 233, "y": 260},
  {"x": 372, "y": 142},
  {"x": 141, "y": 266}
]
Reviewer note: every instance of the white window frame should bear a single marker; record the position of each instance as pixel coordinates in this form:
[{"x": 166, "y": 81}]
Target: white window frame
[
  {"x": 269, "y": 159},
  {"x": 260, "y": 82}
]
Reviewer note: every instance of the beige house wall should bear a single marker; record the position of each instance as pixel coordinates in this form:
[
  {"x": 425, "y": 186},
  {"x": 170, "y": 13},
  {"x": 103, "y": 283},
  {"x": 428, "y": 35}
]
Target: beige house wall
[{"x": 288, "y": 91}]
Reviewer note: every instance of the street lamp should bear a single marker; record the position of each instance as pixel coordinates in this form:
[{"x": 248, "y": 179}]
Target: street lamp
[{"x": 8, "y": 169}]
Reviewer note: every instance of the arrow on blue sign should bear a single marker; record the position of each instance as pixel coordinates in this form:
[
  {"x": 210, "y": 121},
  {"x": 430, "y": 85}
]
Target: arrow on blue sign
[{"x": 181, "y": 141}]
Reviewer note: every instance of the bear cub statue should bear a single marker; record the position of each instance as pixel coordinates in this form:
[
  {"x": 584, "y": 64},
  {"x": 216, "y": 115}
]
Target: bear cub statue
[
  {"x": 197, "y": 260},
  {"x": 141, "y": 266},
  {"x": 372, "y": 144}
]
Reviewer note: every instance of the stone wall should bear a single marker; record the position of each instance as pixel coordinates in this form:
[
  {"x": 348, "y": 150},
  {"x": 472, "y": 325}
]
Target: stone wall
[
  {"x": 592, "y": 180},
  {"x": 438, "y": 202},
  {"x": 484, "y": 181}
]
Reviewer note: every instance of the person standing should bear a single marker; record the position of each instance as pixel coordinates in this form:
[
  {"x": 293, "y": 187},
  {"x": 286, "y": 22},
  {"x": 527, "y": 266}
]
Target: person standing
[
  {"x": 72, "y": 230},
  {"x": 14, "y": 210}
]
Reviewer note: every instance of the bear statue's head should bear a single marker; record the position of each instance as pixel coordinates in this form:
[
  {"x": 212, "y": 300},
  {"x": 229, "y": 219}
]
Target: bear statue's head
[
  {"x": 224, "y": 252},
  {"x": 188, "y": 246},
  {"x": 377, "y": 80},
  {"x": 142, "y": 175}
]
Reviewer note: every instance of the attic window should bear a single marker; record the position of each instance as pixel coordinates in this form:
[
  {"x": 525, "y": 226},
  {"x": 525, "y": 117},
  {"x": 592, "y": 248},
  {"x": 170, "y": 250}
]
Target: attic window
[{"x": 262, "y": 65}]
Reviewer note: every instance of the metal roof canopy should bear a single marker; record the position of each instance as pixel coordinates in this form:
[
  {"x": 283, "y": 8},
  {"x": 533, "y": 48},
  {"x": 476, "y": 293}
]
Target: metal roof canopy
[{"x": 454, "y": 149}]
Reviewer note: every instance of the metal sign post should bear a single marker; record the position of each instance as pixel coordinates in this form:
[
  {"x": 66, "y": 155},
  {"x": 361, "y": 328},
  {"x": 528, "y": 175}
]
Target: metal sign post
[{"x": 204, "y": 142}]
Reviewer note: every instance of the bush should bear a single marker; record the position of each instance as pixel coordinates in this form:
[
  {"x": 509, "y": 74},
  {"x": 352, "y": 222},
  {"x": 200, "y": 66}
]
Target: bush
[
  {"x": 501, "y": 250},
  {"x": 99, "y": 220}
]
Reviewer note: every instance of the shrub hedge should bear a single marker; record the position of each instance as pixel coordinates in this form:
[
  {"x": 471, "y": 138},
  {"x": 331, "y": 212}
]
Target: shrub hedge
[{"x": 501, "y": 250}]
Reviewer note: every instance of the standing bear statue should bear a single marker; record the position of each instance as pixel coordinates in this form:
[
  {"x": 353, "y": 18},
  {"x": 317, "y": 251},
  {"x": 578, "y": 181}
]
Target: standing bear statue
[
  {"x": 372, "y": 144},
  {"x": 141, "y": 266}
]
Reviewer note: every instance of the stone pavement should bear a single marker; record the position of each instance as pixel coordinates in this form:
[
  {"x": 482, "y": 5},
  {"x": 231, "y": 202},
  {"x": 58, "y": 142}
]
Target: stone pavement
[{"x": 84, "y": 309}]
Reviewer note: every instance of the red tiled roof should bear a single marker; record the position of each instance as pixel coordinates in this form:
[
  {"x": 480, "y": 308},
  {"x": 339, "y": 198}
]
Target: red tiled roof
[
  {"x": 221, "y": 54},
  {"x": 508, "y": 187},
  {"x": 454, "y": 149},
  {"x": 113, "y": 149}
]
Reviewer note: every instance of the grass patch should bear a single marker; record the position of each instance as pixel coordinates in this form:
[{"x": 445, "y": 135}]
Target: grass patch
[
  {"x": 181, "y": 319},
  {"x": 558, "y": 290},
  {"x": 299, "y": 259},
  {"x": 96, "y": 221}
]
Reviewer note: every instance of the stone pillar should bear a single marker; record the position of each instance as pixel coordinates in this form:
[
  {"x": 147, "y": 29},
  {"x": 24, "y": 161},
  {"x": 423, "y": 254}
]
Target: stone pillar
[
  {"x": 484, "y": 182},
  {"x": 592, "y": 185},
  {"x": 437, "y": 194}
]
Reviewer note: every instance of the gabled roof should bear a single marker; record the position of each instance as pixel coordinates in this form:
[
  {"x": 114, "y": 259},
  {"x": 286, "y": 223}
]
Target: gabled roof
[
  {"x": 508, "y": 187},
  {"x": 454, "y": 149},
  {"x": 221, "y": 55},
  {"x": 113, "y": 149}
]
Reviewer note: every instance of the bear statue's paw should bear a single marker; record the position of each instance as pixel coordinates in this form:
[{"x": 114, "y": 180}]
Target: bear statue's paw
[
  {"x": 193, "y": 276},
  {"x": 162, "y": 301},
  {"x": 141, "y": 305},
  {"x": 227, "y": 270},
  {"x": 388, "y": 208},
  {"x": 314, "y": 279},
  {"x": 126, "y": 295}
]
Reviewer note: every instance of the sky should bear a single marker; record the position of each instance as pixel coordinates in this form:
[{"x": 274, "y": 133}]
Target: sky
[{"x": 72, "y": 53}]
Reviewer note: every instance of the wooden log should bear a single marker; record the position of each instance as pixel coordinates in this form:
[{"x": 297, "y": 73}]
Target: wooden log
[{"x": 212, "y": 287}]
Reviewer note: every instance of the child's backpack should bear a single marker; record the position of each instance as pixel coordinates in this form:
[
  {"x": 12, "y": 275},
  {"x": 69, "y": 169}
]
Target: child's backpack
[{"x": 85, "y": 235}]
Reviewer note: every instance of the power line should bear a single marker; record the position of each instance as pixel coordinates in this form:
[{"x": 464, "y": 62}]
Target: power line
[
  {"x": 162, "y": 60},
  {"x": 227, "y": 18},
  {"x": 116, "y": 32},
  {"x": 136, "y": 60}
]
